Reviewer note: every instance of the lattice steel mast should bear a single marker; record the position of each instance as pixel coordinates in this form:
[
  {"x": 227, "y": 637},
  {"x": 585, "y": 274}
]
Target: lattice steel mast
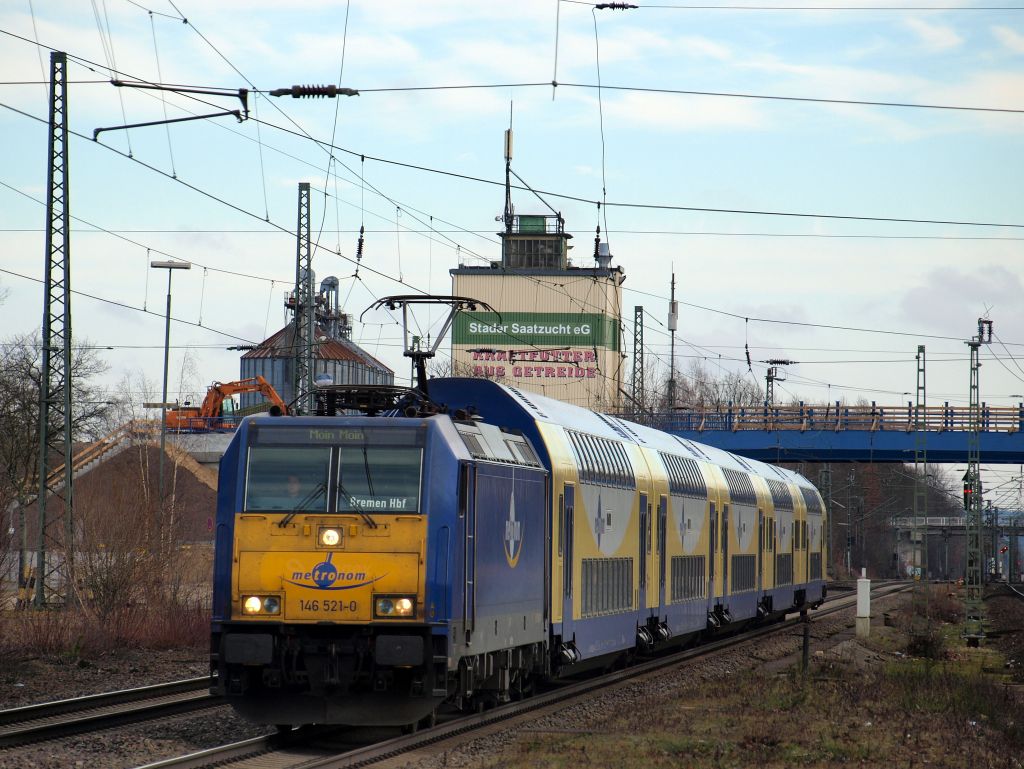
[
  {"x": 673, "y": 322},
  {"x": 55, "y": 374},
  {"x": 919, "y": 531},
  {"x": 304, "y": 309},
  {"x": 974, "y": 629},
  {"x": 639, "y": 396}
]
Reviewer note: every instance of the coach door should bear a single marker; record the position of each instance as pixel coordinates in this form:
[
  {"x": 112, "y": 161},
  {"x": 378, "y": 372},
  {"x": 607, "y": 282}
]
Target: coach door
[
  {"x": 725, "y": 550},
  {"x": 760, "y": 549},
  {"x": 662, "y": 529},
  {"x": 566, "y": 517},
  {"x": 712, "y": 547},
  {"x": 469, "y": 555},
  {"x": 645, "y": 548}
]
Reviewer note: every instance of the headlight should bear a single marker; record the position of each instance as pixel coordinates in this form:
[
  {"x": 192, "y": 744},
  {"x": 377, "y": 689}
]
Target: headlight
[
  {"x": 330, "y": 537},
  {"x": 252, "y": 604},
  {"x": 261, "y": 604},
  {"x": 394, "y": 606}
]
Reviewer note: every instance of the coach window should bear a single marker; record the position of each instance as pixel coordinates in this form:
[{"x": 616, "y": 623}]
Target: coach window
[
  {"x": 608, "y": 470},
  {"x": 597, "y": 472},
  {"x": 607, "y": 474},
  {"x": 590, "y": 452},
  {"x": 287, "y": 478},
  {"x": 608, "y": 448}
]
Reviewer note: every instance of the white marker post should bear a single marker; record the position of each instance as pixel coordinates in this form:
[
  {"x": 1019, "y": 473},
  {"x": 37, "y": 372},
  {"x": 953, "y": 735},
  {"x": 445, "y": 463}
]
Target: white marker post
[{"x": 863, "y": 605}]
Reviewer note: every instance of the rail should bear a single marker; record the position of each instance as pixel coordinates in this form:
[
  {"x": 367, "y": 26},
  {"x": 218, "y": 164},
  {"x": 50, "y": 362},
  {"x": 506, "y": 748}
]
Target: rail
[
  {"x": 838, "y": 417},
  {"x": 49, "y": 720},
  {"x": 291, "y": 750}
]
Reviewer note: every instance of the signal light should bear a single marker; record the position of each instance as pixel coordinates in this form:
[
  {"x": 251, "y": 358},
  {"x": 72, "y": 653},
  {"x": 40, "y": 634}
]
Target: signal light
[
  {"x": 1004, "y": 548},
  {"x": 968, "y": 491}
]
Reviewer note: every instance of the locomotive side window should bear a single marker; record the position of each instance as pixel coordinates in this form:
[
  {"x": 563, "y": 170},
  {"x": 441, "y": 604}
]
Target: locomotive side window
[{"x": 287, "y": 478}]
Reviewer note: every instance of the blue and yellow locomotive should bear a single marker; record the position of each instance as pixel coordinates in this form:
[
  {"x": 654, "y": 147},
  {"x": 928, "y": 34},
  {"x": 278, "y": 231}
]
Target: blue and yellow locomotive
[{"x": 370, "y": 568}]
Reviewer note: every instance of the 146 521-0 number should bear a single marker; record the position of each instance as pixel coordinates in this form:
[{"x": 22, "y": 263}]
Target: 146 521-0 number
[{"x": 328, "y": 605}]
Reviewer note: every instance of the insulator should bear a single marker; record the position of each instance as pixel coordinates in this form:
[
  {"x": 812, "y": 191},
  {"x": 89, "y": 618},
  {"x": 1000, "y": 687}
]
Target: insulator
[
  {"x": 359, "y": 245},
  {"x": 311, "y": 91}
]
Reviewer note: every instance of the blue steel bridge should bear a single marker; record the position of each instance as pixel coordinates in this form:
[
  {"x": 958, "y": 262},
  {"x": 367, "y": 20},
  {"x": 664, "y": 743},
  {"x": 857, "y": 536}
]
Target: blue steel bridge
[{"x": 839, "y": 433}]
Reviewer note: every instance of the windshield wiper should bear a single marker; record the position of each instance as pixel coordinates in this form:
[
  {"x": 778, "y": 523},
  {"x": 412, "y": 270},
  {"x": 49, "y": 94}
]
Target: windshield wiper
[
  {"x": 366, "y": 467},
  {"x": 362, "y": 513},
  {"x": 310, "y": 498}
]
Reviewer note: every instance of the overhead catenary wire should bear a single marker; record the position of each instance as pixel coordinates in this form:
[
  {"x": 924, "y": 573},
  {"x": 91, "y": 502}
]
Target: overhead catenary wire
[
  {"x": 694, "y": 7},
  {"x": 127, "y": 306},
  {"x": 693, "y": 92},
  {"x": 639, "y": 205},
  {"x": 688, "y": 304}
]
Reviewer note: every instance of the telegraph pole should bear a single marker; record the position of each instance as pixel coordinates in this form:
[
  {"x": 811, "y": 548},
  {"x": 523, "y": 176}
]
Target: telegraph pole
[{"x": 974, "y": 629}]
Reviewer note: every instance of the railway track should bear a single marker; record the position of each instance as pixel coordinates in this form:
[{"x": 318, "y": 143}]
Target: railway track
[
  {"x": 50, "y": 720},
  {"x": 325, "y": 748}
]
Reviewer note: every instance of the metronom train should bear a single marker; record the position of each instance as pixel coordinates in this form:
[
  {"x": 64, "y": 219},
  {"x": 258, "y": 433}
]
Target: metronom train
[{"x": 371, "y": 568}]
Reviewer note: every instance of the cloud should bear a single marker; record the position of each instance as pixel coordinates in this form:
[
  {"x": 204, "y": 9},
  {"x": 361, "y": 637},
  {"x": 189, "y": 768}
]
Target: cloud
[
  {"x": 933, "y": 36},
  {"x": 671, "y": 112},
  {"x": 1010, "y": 38},
  {"x": 949, "y": 300}
]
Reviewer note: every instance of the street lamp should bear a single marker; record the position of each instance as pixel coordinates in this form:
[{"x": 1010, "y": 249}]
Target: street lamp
[{"x": 170, "y": 266}]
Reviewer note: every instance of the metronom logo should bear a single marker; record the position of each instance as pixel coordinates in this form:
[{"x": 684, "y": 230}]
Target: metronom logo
[{"x": 326, "y": 576}]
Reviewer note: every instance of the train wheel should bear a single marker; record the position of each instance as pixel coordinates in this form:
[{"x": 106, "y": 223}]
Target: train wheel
[{"x": 429, "y": 721}]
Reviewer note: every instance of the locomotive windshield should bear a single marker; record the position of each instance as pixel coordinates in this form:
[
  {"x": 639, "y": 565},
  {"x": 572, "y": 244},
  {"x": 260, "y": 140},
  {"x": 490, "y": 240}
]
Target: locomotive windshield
[
  {"x": 288, "y": 478},
  {"x": 384, "y": 479},
  {"x": 334, "y": 469}
]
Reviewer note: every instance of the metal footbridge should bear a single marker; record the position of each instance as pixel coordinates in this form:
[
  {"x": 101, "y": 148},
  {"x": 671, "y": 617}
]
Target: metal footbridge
[{"x": 838, "y": 433}]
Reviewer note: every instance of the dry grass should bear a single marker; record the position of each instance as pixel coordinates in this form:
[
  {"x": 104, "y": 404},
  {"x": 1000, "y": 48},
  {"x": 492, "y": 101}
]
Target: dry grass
[
  {"x": 82, "y": 632},
  {"x": 902, "y": 714}
]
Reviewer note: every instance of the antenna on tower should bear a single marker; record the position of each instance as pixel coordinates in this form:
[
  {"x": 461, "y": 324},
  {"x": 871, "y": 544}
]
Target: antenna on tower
[
  {"x": 673, "y": 322},
  {"x": 508, "y": 173}
]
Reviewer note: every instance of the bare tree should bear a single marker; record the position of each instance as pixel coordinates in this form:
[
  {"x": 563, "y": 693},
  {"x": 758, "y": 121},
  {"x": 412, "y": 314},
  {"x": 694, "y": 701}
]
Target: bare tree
[
  {"x": 20, "y": 378},
  {"x": 701, "y": 388}
]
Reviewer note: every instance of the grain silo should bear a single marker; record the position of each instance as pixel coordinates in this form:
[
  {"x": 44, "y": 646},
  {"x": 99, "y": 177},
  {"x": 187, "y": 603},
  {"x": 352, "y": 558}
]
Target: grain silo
[{"x": 335, "y": 355}]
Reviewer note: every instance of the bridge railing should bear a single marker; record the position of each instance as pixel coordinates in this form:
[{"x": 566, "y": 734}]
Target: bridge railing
[{"x": 838, "y": 417}]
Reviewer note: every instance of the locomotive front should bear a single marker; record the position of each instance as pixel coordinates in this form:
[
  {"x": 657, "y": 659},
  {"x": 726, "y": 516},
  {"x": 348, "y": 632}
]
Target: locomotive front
[{"x": 321, "y": 600}]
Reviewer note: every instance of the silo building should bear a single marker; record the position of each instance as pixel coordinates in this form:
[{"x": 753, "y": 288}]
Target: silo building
[{"x": 336, "y": 358}]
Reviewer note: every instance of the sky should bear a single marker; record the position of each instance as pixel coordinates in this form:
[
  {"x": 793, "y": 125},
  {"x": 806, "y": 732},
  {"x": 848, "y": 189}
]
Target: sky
[{"x": 821, "y": 274}]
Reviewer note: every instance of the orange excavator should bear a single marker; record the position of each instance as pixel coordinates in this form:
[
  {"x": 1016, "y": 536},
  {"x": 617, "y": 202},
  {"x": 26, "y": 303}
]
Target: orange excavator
[{"x": 217, "y": 411}]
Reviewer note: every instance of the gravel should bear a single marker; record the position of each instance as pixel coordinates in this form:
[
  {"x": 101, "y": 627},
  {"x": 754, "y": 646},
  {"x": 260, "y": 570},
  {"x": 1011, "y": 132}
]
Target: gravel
[{"x": 43, "y": 680}]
